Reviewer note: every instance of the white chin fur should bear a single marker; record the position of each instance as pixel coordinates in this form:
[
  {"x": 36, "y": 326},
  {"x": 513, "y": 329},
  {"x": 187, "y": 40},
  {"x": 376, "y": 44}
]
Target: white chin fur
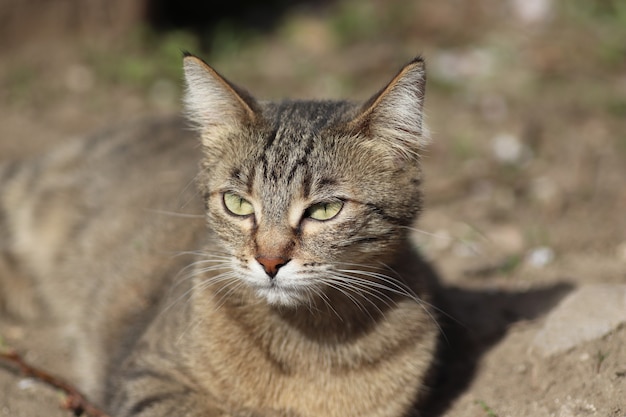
[
  {"x": 280, "y": 297},
  {"x": 284, "y": 291}
]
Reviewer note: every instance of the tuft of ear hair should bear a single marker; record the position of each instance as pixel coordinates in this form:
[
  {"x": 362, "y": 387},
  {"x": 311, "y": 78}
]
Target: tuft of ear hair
[
  {"x": 395, "y": 115},
  {"x": 211, "y": 100}
]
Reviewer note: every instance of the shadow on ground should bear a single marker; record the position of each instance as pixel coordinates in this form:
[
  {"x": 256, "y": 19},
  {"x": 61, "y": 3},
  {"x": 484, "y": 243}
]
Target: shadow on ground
[{"x": 473, "y": 322}]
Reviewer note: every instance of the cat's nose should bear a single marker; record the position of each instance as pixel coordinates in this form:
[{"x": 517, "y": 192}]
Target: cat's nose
[{"x": 271, "y": 264}]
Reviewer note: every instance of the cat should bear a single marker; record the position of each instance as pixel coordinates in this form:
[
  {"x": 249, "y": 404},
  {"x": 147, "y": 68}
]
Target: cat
[{"x": 282, "y": 284}]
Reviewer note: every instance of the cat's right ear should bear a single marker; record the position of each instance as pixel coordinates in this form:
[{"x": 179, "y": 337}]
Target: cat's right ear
[{"x": 211, "y": 101}]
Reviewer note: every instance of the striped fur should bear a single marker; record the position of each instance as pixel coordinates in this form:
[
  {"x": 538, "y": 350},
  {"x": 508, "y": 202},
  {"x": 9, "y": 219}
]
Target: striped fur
[{"x": 271, "y": 313}]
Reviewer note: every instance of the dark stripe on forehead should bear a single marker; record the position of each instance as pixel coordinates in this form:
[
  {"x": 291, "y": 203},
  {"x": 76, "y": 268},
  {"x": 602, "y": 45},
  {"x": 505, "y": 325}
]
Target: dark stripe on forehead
[
  {"x": 326, "y": 182},
  {"x": 250, "y": 182},
  {"x": 267, "y": 148},
  {"x": 236, "y": 174},
  {"x": 245, "y": 179},
  {"x": 287, "y": 150},
  {"x": 306, "y": 185},
  {"x": 302, "y": 160},
  {"x": 268, "y": 174},
  {"x": 322, "y": 120},
  {"x": 284, "y": 147},
  {"x": 270, "y": 140}
]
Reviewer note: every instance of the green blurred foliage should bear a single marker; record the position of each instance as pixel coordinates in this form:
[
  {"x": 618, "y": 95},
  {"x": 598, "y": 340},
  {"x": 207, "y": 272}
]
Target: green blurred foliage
[
  {"x": 604, "y": 21},
  {"x": 145, "y": 58}
]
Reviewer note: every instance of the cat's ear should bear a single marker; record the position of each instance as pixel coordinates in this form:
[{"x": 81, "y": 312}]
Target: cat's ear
[
  {"x": 211, "y": 100},
  {"x": 394, "y": 117}
]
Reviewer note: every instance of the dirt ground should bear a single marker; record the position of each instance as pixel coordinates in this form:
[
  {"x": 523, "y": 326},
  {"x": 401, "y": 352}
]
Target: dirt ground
[{"x": 525, "y": 177}]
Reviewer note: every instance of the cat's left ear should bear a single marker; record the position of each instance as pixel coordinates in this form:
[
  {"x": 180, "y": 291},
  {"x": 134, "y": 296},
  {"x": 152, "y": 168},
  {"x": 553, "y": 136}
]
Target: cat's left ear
[
  {"x": 212, "y": 101},
  {"x": 395, "y": 115}
]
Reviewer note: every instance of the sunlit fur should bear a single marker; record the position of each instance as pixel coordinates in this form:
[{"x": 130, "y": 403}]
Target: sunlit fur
[
  {"x": 172, "y": 304},
  {"x": 289, "y": 155}
]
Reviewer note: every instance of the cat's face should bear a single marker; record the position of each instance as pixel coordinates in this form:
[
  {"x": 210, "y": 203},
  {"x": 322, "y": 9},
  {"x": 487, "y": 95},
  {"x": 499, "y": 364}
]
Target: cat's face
[{"x": 308, "y": 197}]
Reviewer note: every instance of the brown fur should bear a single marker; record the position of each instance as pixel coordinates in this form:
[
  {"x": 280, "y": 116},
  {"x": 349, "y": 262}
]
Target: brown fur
[{"x": 105, "y": 239}]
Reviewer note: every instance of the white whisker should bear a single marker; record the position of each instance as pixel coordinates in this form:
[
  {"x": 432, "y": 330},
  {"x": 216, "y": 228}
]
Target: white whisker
[
  {"x": 394, "y": 286},
  {"x": 363, "y": 286},
  {"x": 345, "y": 286},
  {"x": 466, "y": 243},
  {"x": 196, "y": 287},
  {"x": 176, "y": 214},
  {"x": 384, "y": 282},
  {"x": 326, "y": 301}
]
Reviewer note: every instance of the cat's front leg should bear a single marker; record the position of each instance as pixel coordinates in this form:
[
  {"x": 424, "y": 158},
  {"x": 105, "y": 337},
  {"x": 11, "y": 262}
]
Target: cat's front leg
[
  {"x": 184, "y": 404},
  {"x": 148, "y": 396},
  {"x": 159, "y": 392}
]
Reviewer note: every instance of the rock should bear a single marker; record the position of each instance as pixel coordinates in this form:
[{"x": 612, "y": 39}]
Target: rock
[
  {"x": 588, "y": 313},
  {"x": 532, "y": 11},
  {"x": 545, "y": 191},
  {"x": 540, "y": 257},
  {"x": 509, "y": 149},
  {"x": 575, "y": 407}
]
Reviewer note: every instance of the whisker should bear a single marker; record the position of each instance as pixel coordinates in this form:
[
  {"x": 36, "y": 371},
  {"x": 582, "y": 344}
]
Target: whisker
[
  {"x": 195, "y": 194},
  {"x": 396, "y": 287},
  {"x": 364, "y": 266},
  {"x": 364, "y": 287},
  {"x": 201, "y": 286},
  {"x": 192, "y": 269},
  {"x": 193, "y": 288},
  {"x": 326, "y": 301},
  {"x": 205, "y": 254},
  {"x": 196, "y": 268},
  {"x": 225, "y": 291},
  {"x": 466, "y": 243},
  {"x": 344, "y": 287},
  {"x": 175, "y": 214},
  {"x": 363, "y": 283}
]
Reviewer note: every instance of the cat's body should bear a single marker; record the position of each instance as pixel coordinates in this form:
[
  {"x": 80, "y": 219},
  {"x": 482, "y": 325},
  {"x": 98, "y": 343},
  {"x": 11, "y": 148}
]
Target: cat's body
[{"x": 302, "y": 298}]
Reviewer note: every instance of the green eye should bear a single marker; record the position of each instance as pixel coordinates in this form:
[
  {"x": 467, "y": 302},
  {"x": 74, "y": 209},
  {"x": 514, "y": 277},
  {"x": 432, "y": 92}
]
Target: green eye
[
  {"x": 237, "y": 205},
  {"x": 324, "y": 211}
]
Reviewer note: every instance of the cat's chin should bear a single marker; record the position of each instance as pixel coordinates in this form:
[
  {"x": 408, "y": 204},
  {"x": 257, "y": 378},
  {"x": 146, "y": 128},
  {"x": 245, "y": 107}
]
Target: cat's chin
[{"x": 283, "y": 297}]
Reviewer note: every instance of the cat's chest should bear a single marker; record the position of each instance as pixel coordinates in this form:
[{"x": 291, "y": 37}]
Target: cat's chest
[
  {"x": 384, "y": 390},
  {"x": 309, "y": 379}
]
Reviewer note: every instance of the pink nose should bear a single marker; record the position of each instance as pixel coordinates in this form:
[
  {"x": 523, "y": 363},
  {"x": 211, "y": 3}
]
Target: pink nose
[{"x": 271, "y": 264}]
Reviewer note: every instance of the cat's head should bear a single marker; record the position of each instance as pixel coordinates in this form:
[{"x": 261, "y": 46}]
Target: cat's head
[{"x": 309, "y": 197}]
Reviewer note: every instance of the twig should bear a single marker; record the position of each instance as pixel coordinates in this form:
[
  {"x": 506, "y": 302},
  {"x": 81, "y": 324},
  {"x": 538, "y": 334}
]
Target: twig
[{"x": 76, "y": 401}]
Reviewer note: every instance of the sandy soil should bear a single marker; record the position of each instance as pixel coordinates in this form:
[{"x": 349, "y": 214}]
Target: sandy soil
[{"x": 525, "y": 187}]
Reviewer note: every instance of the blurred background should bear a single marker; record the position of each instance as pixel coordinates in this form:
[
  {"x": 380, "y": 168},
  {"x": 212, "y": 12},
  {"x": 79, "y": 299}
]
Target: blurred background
[{"x": 526, "y": 100}]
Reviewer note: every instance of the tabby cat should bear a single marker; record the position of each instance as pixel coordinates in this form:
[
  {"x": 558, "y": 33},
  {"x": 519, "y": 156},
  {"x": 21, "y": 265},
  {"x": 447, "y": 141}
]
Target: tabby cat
[{"x": 302, "y": 297}]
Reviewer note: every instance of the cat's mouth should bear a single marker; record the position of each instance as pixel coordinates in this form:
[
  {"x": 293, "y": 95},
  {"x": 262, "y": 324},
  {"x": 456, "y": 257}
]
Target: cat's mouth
[{"x": 286, "y": 288}]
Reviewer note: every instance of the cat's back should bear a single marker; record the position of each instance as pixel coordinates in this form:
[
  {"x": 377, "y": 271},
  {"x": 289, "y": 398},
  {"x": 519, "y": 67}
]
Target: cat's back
[{"x": 107, "y": 211}]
